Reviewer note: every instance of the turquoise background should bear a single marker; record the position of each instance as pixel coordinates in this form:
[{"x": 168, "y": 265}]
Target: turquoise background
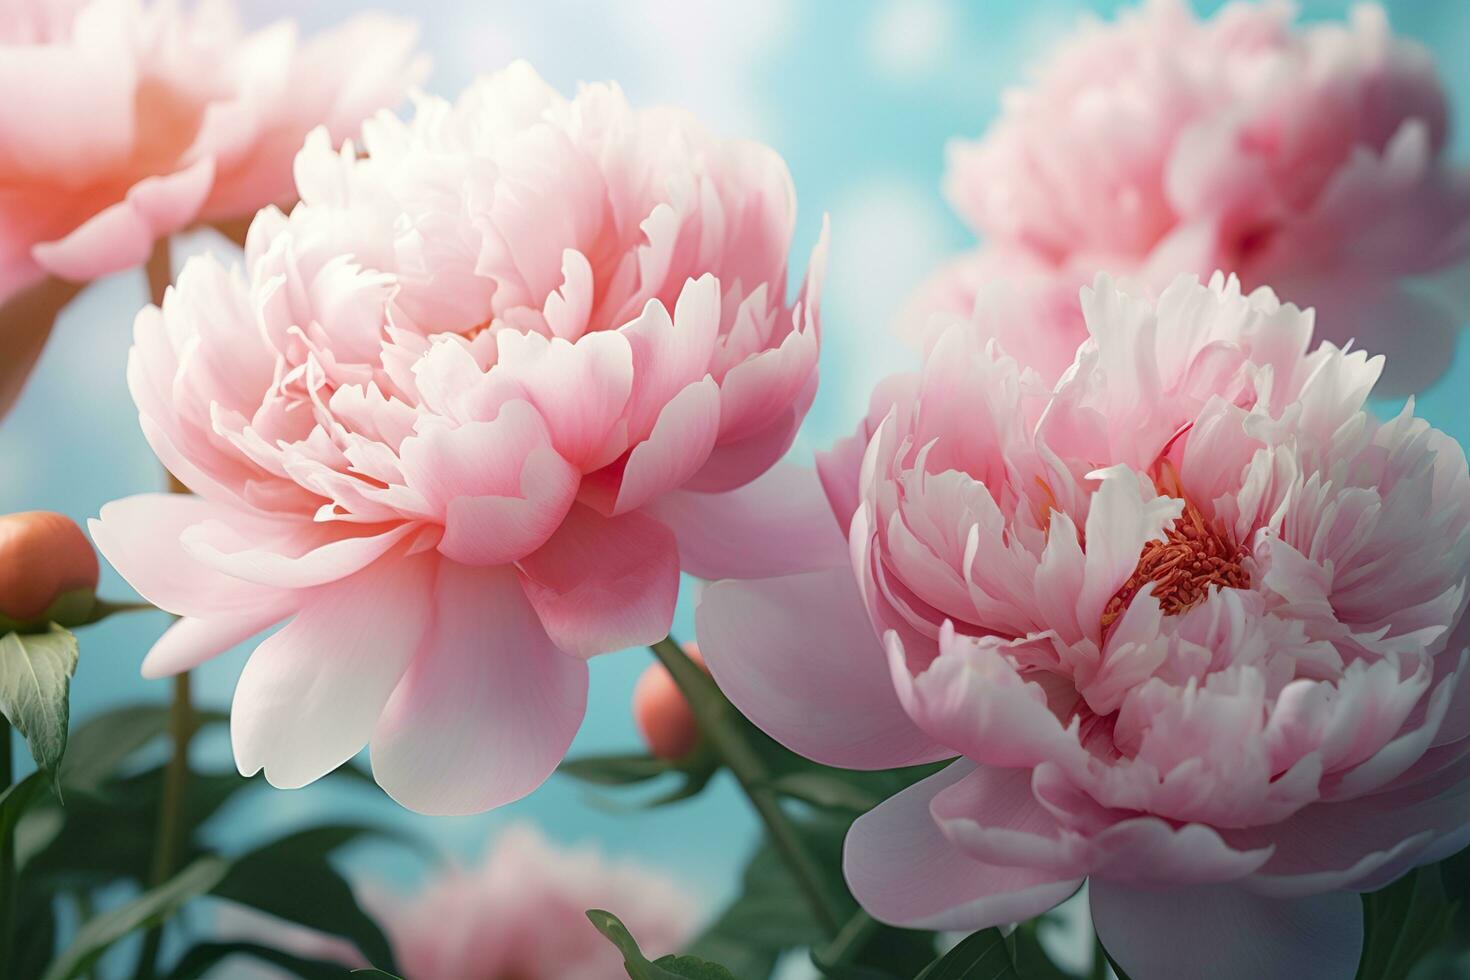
[{"x": 860, "y": 98}]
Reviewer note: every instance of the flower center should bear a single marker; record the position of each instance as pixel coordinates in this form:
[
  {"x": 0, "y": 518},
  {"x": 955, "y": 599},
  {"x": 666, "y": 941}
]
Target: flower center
[{"x": 1195, "y": 556}]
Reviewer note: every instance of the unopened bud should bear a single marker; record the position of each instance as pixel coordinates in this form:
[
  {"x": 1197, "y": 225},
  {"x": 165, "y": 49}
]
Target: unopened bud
[
  {"x": 48, "y": 571},
  {"x": 662, "y": 714}
]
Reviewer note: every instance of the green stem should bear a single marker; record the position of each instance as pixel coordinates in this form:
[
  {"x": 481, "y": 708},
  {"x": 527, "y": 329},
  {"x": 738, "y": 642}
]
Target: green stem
[
  {"x": 848, "y": 944},
  {"x": 103, "y": 608},
  {"x": 7, "y": 859},
  {"x": 725, "y": 734},
  {"x": 172, "y": 813}
]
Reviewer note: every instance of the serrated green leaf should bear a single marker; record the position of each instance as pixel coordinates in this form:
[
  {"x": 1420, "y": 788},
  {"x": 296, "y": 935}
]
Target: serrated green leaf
[
  {"x": 981, "y": 956},
  {"x": 291, "y": 878},
  {"x": 35, "y": 680},
  {"x": 1403, "y": 922},
  {"x": 198, "y": 961},
  {"x": 149, "y": 909},
  {"x": 638, "y": 965}
]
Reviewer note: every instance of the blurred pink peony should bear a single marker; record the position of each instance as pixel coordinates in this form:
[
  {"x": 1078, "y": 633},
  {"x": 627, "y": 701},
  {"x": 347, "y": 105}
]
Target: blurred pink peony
[
  {"x": 1308, "y": 159},
  {"x": 127, "y": 121},
  {"x": 462, "y": 419},
  {"x": 521, "y": 914},
  {"x": 1188, "y": 618}
]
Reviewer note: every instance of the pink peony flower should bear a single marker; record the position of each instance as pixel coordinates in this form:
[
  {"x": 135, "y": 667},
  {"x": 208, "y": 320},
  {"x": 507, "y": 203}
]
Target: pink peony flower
[
  {"x": 461, "y": 419},
  {"x": 127, "y": 121},
  {"x": 1309, "y": 159},
  {"x": 521, "y": 913},
  {"x": 1187, "y": 618}
]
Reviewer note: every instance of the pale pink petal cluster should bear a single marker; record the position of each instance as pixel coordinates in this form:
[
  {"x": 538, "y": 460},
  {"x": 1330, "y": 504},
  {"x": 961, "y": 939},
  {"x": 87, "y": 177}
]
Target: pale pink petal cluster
[
  {"x": 462, "y": 418},
  {"x": 125, "y": 121},
  {"x": 521, "y": 913},
  {"x": 1188, "y": 616},
  {"x": 1307, "y": 158}
]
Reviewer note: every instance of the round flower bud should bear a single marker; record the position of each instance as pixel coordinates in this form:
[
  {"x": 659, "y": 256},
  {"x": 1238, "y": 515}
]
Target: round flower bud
[
  {"x": 48, "y": 570},
  {"x": 662, "y": 713}
]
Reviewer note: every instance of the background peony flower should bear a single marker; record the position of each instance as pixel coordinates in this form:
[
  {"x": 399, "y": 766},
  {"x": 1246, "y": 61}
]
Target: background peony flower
[
  {"x": 521, "y": 913},
  {"x": 1189, "y": 618},
  {"x": 125, "y": 121},
  {"x": 1309, "y": 159},
  {"x": 462, "y": 418}
]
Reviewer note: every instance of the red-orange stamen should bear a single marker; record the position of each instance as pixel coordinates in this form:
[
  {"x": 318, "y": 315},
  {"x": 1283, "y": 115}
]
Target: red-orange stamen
[{"x": 1195, "y": 556}]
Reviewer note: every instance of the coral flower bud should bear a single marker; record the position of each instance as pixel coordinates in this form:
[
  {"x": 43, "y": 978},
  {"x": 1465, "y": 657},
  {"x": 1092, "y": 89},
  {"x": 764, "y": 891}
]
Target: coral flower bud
[
  {"x": 662, "y": 713},
  {"x": 48, "y": 570}
]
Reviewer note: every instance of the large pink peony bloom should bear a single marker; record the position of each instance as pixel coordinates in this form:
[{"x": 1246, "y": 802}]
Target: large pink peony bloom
[
  {"x": 462, "y": 418},
  {"x": 125, "y": 121},
  {"x": 1309, "y": 159},
  {"x": 1187, "y": 617},
  {"x": 521, "y": 914}
]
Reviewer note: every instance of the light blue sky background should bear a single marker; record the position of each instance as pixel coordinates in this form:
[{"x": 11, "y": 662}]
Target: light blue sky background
[{"x": 859, "y": 96}]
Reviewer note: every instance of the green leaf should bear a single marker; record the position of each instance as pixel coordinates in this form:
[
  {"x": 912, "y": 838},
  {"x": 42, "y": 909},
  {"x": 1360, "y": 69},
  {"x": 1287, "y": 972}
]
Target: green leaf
[
  {"x": 1030, "y": 957},
  {"x": 375, "y": 972},
  {"x": 198, "y": 961},
  {"x": 35, "y": 677},
  {"x": 109, "y": 835},
  {"x": 18, "y": 798},
  {"x": 616, "y": 770},
  {"x": 1404, "y": 922},
  {"x": 291, "y": 878},
  {"x": 825, "y": 789},
  {"x": 1117, "y": 970},
  {"x": 147, "y": 910},
  {"x": 665, "y": 968},
  {"x": 982, "y": 956},
  {"x": 101, "y": 745},
  {"x": 770, "y": 915},
  {"x": 1443, "y": 964},
  {"x": 845, "y": 790},
  {"x": 35, "y": 936}
]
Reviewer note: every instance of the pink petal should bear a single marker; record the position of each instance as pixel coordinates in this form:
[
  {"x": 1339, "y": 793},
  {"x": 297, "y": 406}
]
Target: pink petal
[
  {"x": 972, "y": 699},
  {"x": 779, "y": 525},
  {"x": 580, "y": 389},
  {"x": 141, "y": 537},
  {"x": 604, "y": 583},
  {"x": 310, "y": 695},
  {"x": 1224, "y": 933},
  {"x": 734, "y": 464},
  {"x": 189, "y": 642},
  {"x": 502, "y": 487},
  {"x": 903, "y": 871},
  {"x": 121, "y": 236},
  {"x": 796, "y": 655},
  {"x": 287, "y": 555},
  {"x": 680, "y": 442},
  {"x": 488, "y": 707},
  {"x": 670, "y": 353}
]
